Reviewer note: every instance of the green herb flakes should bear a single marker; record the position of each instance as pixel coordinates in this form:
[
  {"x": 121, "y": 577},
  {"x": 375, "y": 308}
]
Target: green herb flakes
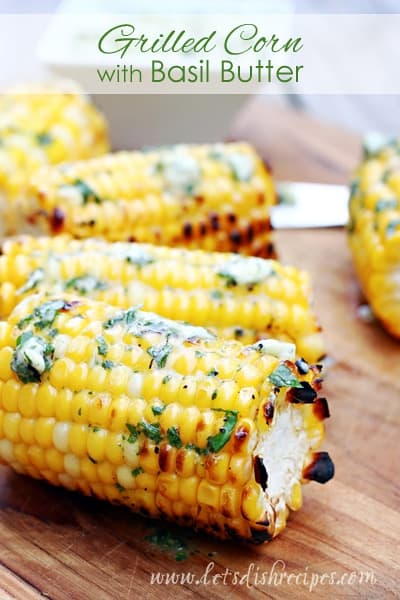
[
  {"x": 107, "y": 364},
  {"x": 32, "y": 357},
  {"x": 133, "y": 433},
  {"x": 151, "y": 430},
  {"x": 173, "y": 437},
  {"x": 85, "y": 284},
  {"x": 137, "y": 471},
  {"x": 284, "y": 377},
  {"x": 86, "y": 192},
  {"x": 160, "y": 354},
  {"x": 32, "y": 282},
  {"x": 215, "y": 443},
  {"x": 102, "y": 346}
]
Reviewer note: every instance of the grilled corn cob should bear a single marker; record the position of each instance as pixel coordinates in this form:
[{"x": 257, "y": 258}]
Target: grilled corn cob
[
  {"x": 39, "y": 126},
  {"x": 374, "y": 232},
  {"x": 160, "y": 416},
  {"x": 213, "y": 197},
  {"x": 246, "y": 298}
]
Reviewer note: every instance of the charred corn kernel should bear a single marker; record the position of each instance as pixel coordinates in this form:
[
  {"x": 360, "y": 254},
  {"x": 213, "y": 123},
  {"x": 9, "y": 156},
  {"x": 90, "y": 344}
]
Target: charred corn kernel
[
  {"x": 374, "y": 231},
  {"x": 243, "y": 298},
  {"x": 196, "y": 196},
  {"x": 42, "y": 126},
  {"x": 231, "y": 461}
]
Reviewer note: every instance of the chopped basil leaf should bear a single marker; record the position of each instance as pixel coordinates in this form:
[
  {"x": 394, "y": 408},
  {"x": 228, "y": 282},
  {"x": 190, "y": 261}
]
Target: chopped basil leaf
[
  {"x": 32, "y": 357},
  {"x": 216, "y": 294},
  {"x": 157, "y": 410},
  {"x": 33, "y": 281},
  {"x": 214, "y": 394},
  {"x": 168, "y": 542},
  {"x": 160, "y": 354},
  {"x": 85, "y": 284},
  {"x": 137, "y": 471},
  {"x": 125, "y": 317},
  {"x": 242, "y": 166},
  {"x": 166, "y": 379},
  {"x": 107, "y": 364},
  {"x": 212, "y": 373},
  {"x": 86, "y": 192},
  {"x": 180, "y": 171},
  {"x": 216, "y": 442},
  {"x": 47, "y": 312},
  {"x": 133, "y": 433},
  {"x": 44, "y": 139},
  {"x": 120, "y": 487},
  {"x": 246, "y": 270},
  {"x": 23, "y": 322},
  {"x": 151, "y": 430},
  {"x": 201, "y": 451},
  {"x": 392, "y": 227},
  {"x": 284, "y": 377},
  {"x": 102, "y": 347},
  {"x": 173, "y": 437},
  {"x": 386, "y": 204}
]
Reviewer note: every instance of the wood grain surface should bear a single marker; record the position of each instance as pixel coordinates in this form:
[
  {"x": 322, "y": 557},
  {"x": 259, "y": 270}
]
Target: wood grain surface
[{"x": 62, "y": 546}]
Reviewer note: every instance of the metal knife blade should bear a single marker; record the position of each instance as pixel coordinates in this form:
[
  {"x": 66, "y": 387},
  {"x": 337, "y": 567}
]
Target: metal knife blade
[{"x": 310, "y": 205}]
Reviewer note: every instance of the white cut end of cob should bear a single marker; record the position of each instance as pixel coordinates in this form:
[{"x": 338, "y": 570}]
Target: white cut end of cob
[{"x": 284, "y": 449}]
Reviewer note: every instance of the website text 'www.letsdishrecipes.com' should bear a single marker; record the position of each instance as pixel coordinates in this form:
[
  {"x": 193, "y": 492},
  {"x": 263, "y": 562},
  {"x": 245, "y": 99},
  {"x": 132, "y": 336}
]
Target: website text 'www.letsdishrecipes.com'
[{"x": 255, "y": 576}]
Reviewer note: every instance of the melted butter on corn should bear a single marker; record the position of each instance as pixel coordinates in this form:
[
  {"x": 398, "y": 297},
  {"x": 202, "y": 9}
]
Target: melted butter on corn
[
  {"x": 166, "y": 419},
  {"x": 272, "y": 301}
]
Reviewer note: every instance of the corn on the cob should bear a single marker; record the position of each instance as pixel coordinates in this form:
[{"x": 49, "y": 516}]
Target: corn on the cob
[
  {"x": 40, "y": 126},
  {"x": 374, "y": 232},
  {"x": 211, "y": 197},
  {"x": 246, "y": 298},
  {"x": 159, "y": 416}
]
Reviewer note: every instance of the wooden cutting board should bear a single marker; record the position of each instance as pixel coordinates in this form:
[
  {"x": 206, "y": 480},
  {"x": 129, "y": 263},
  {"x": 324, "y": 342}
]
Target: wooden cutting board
[{"x": 62, "y": 546}]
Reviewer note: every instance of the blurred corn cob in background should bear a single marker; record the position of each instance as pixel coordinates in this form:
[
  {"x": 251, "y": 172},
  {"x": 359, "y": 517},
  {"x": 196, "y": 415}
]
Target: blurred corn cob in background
[
  {"x": 215, "y": 197},
  {"x": 159, "y": 416},
  {"x": 42, "y": 125},
  {"x": 374, "y": 231},
  {"x": 245, "y": 298}
]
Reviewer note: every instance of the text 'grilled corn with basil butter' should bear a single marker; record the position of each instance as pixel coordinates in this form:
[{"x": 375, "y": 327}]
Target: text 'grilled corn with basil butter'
[
  {"x": 374, "y": 231},
  {"x": 41, "y": 125},
  {"x": 238, "y": 297},
  {"x": 213, "y": 197},
  {"x": 160, "y": 416}
]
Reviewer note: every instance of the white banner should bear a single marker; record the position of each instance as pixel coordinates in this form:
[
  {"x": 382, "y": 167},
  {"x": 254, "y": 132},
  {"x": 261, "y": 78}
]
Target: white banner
[{"x": 206, "y": 54}]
